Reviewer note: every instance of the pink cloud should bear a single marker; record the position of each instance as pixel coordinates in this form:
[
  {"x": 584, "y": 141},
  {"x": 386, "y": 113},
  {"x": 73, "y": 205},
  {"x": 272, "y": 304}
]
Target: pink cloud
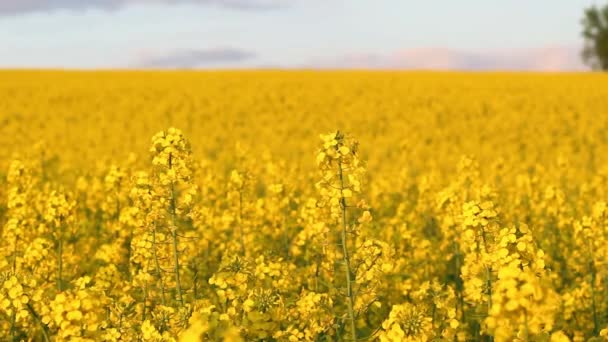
[{"x": 556, "y": 58}]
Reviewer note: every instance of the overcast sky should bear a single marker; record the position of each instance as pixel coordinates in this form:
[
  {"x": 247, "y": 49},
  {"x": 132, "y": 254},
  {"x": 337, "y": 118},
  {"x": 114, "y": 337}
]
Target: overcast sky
[{"x": 402, "y": 34}]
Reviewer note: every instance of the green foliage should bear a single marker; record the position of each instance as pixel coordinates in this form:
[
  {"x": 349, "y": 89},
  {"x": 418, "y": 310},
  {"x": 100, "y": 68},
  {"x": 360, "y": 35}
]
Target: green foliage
[{"x": 595, "y": 33}]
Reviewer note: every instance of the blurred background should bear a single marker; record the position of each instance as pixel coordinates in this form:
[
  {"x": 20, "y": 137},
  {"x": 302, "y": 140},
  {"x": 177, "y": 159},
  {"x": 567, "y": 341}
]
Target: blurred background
[{"x": 540, "y": 35}]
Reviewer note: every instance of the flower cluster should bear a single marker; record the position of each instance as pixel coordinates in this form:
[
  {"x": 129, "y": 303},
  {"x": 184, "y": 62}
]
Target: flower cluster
[{"x": 247, "y": 246}]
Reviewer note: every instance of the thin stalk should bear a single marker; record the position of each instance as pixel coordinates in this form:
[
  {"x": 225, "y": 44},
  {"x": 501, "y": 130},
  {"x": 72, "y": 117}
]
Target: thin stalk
[
  {"x": 43, "y": 326},
  {"x": 207, "y": 257},
  {"x": 596, "y": 326},
  {"x": 178, "y": 284},
  {"x": 488, "y": 276},
  {"x": 489, "y": 284},
  {"x": 143, "y": 311},
  {"x": 349, "y": 286},
  {"x": 157, "y": 266},
  {"x": 117, "y": 204},
  {"x": 458, "y": 281},
  {"x": 592, "y": 270},
  {"x": 241, "y": 233},
  {"x": 488, "y": 271},
  {"x": 285, "y": 236},
  {"x": 434, "y": 314},
  {"x": 15, "y": 254},
  {"x": 129, "y": 249},
  {"x": 527, "y": 331},
  {"x": 59, "y": 264},
  {"x": 195, "y": 283},
  {"x": 145, "y": 299},
  {"x": 317, "y": 273},
  {"x": 13, "y": 329}
]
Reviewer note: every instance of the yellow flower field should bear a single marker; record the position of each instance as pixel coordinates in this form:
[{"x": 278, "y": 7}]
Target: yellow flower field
[{"x": 303, "y": 206}]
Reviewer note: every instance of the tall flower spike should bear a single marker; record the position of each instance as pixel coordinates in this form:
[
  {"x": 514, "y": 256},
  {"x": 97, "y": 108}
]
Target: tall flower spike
[
  {"x": 172, "y": 161},
  {"x": 341, "y": 173}
]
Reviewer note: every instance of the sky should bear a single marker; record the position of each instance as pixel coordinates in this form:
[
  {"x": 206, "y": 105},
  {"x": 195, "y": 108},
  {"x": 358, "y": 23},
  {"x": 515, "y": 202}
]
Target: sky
[{"x": 541, "y": 35}]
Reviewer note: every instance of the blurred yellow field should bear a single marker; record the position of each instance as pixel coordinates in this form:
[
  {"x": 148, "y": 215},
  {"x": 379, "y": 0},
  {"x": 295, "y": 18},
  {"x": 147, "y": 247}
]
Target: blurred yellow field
[{"x": 303, "y": 206}]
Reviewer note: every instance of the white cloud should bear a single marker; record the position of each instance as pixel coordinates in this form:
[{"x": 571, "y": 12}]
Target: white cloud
[
  {"x": 195, "y": 58},
  {"x": 16, "y": 7}
]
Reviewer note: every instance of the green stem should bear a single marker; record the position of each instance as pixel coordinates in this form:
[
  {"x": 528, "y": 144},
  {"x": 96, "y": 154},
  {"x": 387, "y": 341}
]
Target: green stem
[
  {"x": 178, "y": 284},
  {"x": 15, "y": 254},
  {"x": 596, "y": 327},
  {"x": 285, "y": 235},
  {"x": 195, "y": 283},
  {"x": 43, "y": 326},
  {"x": 527, "y": 332},
  {"x": 488, "y": 270},
  {"x": 13, "y": 329},
  {"x": 488, "y": 276},
  {"x": 143, "y": 311},
  {"x": 59, "y": 264},
  {"x": 176, "y": 269},
  {"x": 459, "y": 283},
  {"x": 157, "y": 266},
  {"x": 349, "y": 286},
  {"x": 592, "y": 270},
  {"x": 489, "y": 284},
  {"x": 145, "y": 299},
  {"x": 241, "y": 233}
]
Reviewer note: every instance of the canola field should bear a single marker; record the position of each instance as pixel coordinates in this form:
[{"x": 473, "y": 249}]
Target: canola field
[{"x": 303, "y": 206}]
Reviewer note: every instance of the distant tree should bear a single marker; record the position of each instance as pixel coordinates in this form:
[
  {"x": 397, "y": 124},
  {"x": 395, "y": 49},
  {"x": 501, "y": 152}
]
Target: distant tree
[{"x": 595, "y": 32}]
